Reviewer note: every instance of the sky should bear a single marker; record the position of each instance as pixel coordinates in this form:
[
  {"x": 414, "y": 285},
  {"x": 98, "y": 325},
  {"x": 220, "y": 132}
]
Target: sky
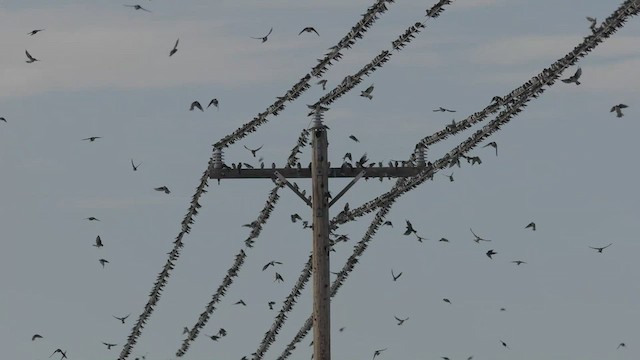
[{"x": 566, "y": 163}]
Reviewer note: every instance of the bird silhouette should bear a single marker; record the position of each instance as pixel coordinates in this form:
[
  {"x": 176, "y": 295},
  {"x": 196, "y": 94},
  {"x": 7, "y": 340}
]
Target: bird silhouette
[
  {"x": 92, "y": 218},
  {"x": 621, "y": 345},
  {"x": 271, "y": 263},
  {"x": 214, "y": 102},
  {"x": 92, "y": 138},
  {"x": 618, "y": 109},
  {"x": 103, "y": 262},
  {"x": 400, "y": 321},
  {"x": 395, "y": 277},
  {"x": 444, "y": 240},
  {"x": 271, "y": 303},
  {"x": 163, "y": 188},
  {"x": 388, "y": 223},
  {"x": 410, "y": 229},
  {"x": 31, "y": 58},
  {"x": 134, "y": 166},
  {"x": 264, "y": 38},
  {"x": 137, "y": 7},
  {"x": 441, "y": 109},
  {"x": 494, "y": 145},
  {"x": 367, "y": 92},
  {"x": 531, "y": 225},
  {"x": 98, "y": 242},
  {"x": 63, "y": 353},
  {"x": 352, "y": 137},
  {"x": 594, "y": 23},
  {"x": 490, "y": 253},
  {"x": 240, "y": 302},
  {"x": 478, "y": 238},
  {"x": 446, "y": 300},
  {"x": 122, "y": 319},
  {"x": 519, "y": 262},
  {"x": 308, "y": 29},
  {"x": 279, "y": 278},
  {"x": 599, "y": 249},
  {"x": 33, "y": 32},
  {"x": 295, "y": 217},
  {"x": 378, "y": 352},
  {"x": 185, "y": 330},
  {"x": 449, "y": 176},
  {"x": 504, "y": 344},
  {"x": 573, "y": 78},
  {"x": 109, "y": 346},
  {"x": 194, "y": 105},
  {"x": 323, "y": 82},
  {"x": 36, "y": 336},
  {"x": 222, "y": 332},
  {"x": 3, "y": 119},
  {"x": 213, "y": 337},
  {"x": 175, "y": 48},
  {"x": 253, "y": 151}
]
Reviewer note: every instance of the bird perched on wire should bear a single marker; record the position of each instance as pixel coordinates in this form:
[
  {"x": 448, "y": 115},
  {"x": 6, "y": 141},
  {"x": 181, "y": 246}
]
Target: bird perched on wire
[
  {"x": 308, "y": 29},
  {"x": 441, "y": 109},
  {"x": 215, "y": 103},
  {"x": 494, "y": 145},
  {"x": 137, "y": 7},
  {"x": 31, "y": 58},
  {"x": 175, "y": 48},
  {"x": 98, "y": 242},
  {"x": 618, "y": 109},
  {"x": 163, "y": 188},
  {"x": 194, "y": 105},
  {"x": 531, "y": 226},
  {"x": 253, "y": 151},
  {"x": 594, "y": 23},
  {"x": 599, "y": 249},
  {"x": 573, "y": 78},
  {"x": 264, "y": 38},
  {"x": 33, "y": 32},
  {"x": 367, "y": 92}
]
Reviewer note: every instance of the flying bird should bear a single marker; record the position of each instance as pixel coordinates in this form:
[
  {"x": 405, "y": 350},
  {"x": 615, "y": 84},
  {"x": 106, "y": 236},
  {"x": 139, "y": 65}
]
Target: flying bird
[
  {"x": 494, "y": 145},
  {"x": 98, "y": 242},
  {"x": 103, "y": 262},
  {"x": 323, "y": 82},
  {"x": 395, "y": 277},
  {"x": 449, "y": 176},
  {"x": 240, "y": 302},
  {"x": 213, "y": 337},
  {"x": 36, "y": 336},
  {"x": 621, "y": 345},
  {"x": 478, "y": 238},
  {"x": 594, "y": 23},
  {"x": 531, "y": 225},
  {"x": 271, "y": 303},
  {"x": 195, "y": 104},
  {"x": 410, "y": 229},
  {"x": 599, "y": 249},
  {"x": 519, "y": 262},
  {"x": 253, "y": 151},
  {"x": 163, "y": 188},
  {"x": 367, "y": 93},
  {"x": 279, "y": 278},
  {"x": 109, "y": 346},
  {"x": 400, "y": 321},
  {"x": 3, "y": 119},
  {"x": 295, "y": 217},
  {"x": 444, "y": 240},
  {"x": 222, "y": 332},
  {"x": 573, "y": 78},
  {"x": 271, "y": 263},
  {"x": 175, "y": 48},
  {"x": 63, "y": 353},
  {"x": 92, "y": 218},
  {"x": 214, "y": 102},
  {"x": 122, "y": 319},
  {"x": 441, "y": 109},
  {"x": 504, "y": 344},
  {"x": 33, "y": 32},
  {"x": 308, "y": 29},
  {"x": 352, "y": 137},
  {"x": 31, "y": 58},
  {"x": 185, "y": 330},
  {"x": 264, "y": 38},
  {"x": 618, "y": 109},
  {"x": 378, "y": 352},
  {"x": 134, "y": 166},
  {"x": 92, "y": 138},
  {"x": 446, "y": 300},
  {"x": 137, "y": 7},
  {"x": 388, "y": 223},
  {"x": 490, "y": 253}
]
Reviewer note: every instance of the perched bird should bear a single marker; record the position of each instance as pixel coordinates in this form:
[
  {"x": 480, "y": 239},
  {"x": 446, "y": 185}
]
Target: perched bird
[
  {"x": 504, "y": 344},
  {"x": 122, "y": 319},
  {"x": 98, "y": 242},
  {"x": 573, "y": 78},
  {"x": 531, "y": 225},
  {"x": 621, "y": 345},
  {"x": 449, "y": 176},
  {"x": 400, "y": 321},
  {"x": 279, "y": 278},
  {"x": 92, "y": 218},
  {"x": 347, "y": 156},
  {"x": 33, "y": 32},
  {"x": 214, "y": 102},
  {"x": 271, "y": 303},
  {"x": 352, "y": 137},
  {"x": 295, "y": 217},
  {"x": 253, "y": 151},
  {"x": 240, "y": 302},
  {"x": 103, "y": 262},
  {"x": 593, "y": 22},
  {"x": 395, "y": 277},
  {"x": 599, "y": 249},
  {"x": 163, "y": 188},
  {"x": 63, "y": 353},
  {"x": 323, "y": 82},
  {"x": 446, "y": 300},
  {"x": 264, "y": 38},
  {"x": 494, "y": 145},
  {"x": 31, "y": 58},
  {"x": 478, "y": 238},
  {"x": 194, "y": 105},
  {"x": 490, "y": 253},
  {"x": 109, "y": 346},
  {"x": 409, "y": 229},
  {"x": 138, "y": 7},
  {"x": 367, "y": 93},
  {"x": 271, "y": 263},
  {"x": 519, "y": 262},
  {"x": 441, "y": 109},
  {"x": 175, "y": 48},
  {"x": 134, "y": 166},
  {"x": 308, "y": 29},
  {"x": 618, "y": 109},
  {"x": 36, "y": 336},
  {"x": 92, "y": 138},
  {"x": 378, "y": 352}
]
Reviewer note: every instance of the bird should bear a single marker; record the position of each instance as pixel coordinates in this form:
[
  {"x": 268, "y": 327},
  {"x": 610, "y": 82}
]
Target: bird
[
  {"x": 3, "y": 119},
  {"x": 63, "y": 353},
  {"x": 271, "y": 263},
  {"x": 92, "y": 138},
  {"x": 163, "y": 188},
  {"x": 490, "y": 253},
  {"x": 271, "y": 303},
  {"x": 531, "y": 225},
  {"x": 444, "y": 240},
  {"x": 214, "y": 102},
  {"x": 31, "y": 58},
  {"x": 92, "y": 218},
  {"x": 109, "y": 346},
  {"x": 98, "y": 242},
  {"x": 213, "y": 337},
  {"x": 449, "y": 176},
  {"x": 352, "y": 137},
  {"x": 367, "y": 93},
  {"x": 400, "y": 321},
  {"x": 478, "y": 238},
  {"x": 618, "y": 109},
  {"x": 593, "y": 22},
  {"x": 134, "y": 166},
  {"x": 279, "y": 278},
  {"x": 599, "y": 249},
  {"x": 185, "y": 330},
  {"x": 494, "y": 145},
  {"x": 222, "y": 332},
  {"x": 441, "y": 109},
  {"x": 33, "y": 32},
  {"x": 195, "y": 104},
  {"x": 503, "y": 309},
  {"x": 264, "y": 38},
  {"x": 308, "y": 29},
  {"x": 138, "y": 7},
  {"x": 323, "y": 82},
  {"x": 410, "y": 229},
  {"x": 295, "y": 217},
  {"x": 573, "y": 78},
  {"x": 446, "y": 300},
  {"x": 395, "y": 277},
  {"x": 36, "y": 336},
  {"x": 504, "y": 344},
  {"x": 175, "y": 48},
  {"x": 519, "y": 262},
  {"x": 341, "y": 329},
  {"x": 378, "y": 352},
  {"x": 444, "y": 358},
  {"x": 253, "y": 151},
  {"x": 240, "y": 302},
  {"x": 621, "y": 345},
  {"x": 122, "y": 319},
  {"x": 103, "y": 262},
  {"x": 388, "y": 223}
]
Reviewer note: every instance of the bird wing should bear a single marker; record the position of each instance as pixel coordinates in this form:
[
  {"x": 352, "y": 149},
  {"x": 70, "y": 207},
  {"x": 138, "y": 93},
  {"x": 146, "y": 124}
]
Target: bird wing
[
  {"x": 301, "y": 31},
  {"x": 369, "y": 89},
  {"x": 176, "y": 45},
  {"x": 259, "y": 148},
  {"x": 474, "y": 234},
  {"x": 578, "y": 73},
  {"x": 270, "y": 31},
  {"x": 622, "y": 106},
  {"x": 613, "y": 108},
  {"x": 28, "y": 55},
  {"x": 607, "y": 246}
]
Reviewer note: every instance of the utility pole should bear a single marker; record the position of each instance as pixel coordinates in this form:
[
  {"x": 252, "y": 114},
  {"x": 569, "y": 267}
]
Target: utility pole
[{"x": 319, "y": 172}]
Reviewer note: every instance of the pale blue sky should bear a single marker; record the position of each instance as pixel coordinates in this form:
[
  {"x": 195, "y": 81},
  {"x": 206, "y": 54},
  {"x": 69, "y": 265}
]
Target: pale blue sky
[{"x": 566, "y": 163}]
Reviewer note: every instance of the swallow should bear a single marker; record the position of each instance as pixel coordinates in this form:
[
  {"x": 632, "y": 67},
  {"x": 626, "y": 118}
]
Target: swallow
[
  {"x": 308, "y": 29},
  {"x": 214, "y": 102},
  {"x": 599, "y": 249},
  {"x": 388, "y": 223},
  {"x": 163, "y": 188},
  {"x": 531, "y": 225},
  {"x": 264, "y": 38},
  {"x": 323, "y": 82},
  {"x": 618, "y": 109},
  {"x": 347, "y": 156},
  {"x": 444, "y": 240},
  {"x": 573, "y": 78},
  {"x": 341, "y": 329},
  {"x": 122, "y": 319},
  {"x": 352, "y": 137},
  {"x": 621, "y": 345},
  {"x": 3, "y": 119},
  {"x": 134, "y": 166},
  {"x": 175, "y": 48},
  {"x": 98, "y": 242},
  {"x": 31, "y": 58},
  {"x": 409, "y": 229},
  {"x": 493, "y": 145},
  {"x": 271, "y": 263},
  {"x": 36, "y": 336},
  {"x": 92, "y": 138},
  {"x": 594, "y": 23},
  {"x": 33, "y": 32},
  {"x": 194, "y": 105},
  {"x": 400, "y": 321},
  {"x": 519, "y": 262},
  {"x": 444, "y": 358},
  {"x": 271, "y": 303},
  {"x": 103, "y": 262},
  {"x": 420, "y": 238},
  {"x": 446, "y": 300},
  {"x": 367, "y": 93},
  {"x": 137, "y": 7},
  {"x": 449, "y": 176},
  {"x": 253, "y": 151},
  {"x": 92, "y": 218},
  {"x": 504, "y": 344},
  {"x": 441, "y": 109},
  {"x": 503, "y": 309},
  {"x": 395, "y": 277},
  {"x": 213, "y": 337},
  {"x": 240, "y": 302},
  {"x": 490, "y": 253},
  {"x": 109, "y": 346},
  {"x": 295, "y": 217},
  {"x": 378, "y": 352},
  {"x": 63, "y": 353},
  {"x": 222, "y": 332},
  {"x": 478, "y": 238},
  {"x": 279, "y": 278}
]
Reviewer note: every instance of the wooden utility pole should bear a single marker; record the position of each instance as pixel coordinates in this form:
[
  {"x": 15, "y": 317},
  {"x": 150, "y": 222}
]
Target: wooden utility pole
[{"x": 319, "y": 172}]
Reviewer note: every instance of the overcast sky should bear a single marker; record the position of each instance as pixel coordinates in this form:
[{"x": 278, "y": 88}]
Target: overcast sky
[{"x": 566, "y": 163}]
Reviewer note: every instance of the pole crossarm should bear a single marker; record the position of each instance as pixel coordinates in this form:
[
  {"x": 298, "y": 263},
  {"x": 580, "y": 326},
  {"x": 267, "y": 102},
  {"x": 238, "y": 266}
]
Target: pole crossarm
[{"x": 341, "y": 172}]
